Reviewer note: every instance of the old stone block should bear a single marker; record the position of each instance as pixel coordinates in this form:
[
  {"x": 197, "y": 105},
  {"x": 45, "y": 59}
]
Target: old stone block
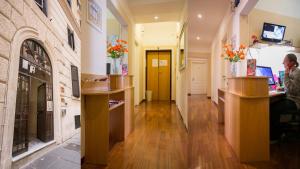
[
  {"x": 5, "y": 8},
  {"x": 7, "y": 28},
  {"x": 2, "y": 115},
  {"x": 30, "y": 18},
  {"x": 3, "y": 69},
  {"x": 4, "y": 47},
  {"x": 17, "y": 19},
  {"x": 2, "y": 91},
  {"x": 17, "y": 4}
]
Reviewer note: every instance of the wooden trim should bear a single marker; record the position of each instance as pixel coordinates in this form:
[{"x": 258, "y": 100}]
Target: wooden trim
[{"x": 67, "y": 10}]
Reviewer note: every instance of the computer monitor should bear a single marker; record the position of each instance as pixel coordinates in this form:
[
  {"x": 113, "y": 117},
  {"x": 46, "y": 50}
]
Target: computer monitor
[
  {"x": 265, "y": 71},
  {"x": 281, "y": 77}
]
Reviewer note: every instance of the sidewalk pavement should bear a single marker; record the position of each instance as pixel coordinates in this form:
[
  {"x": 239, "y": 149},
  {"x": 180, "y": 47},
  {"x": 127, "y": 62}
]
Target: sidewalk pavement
[{"x": 65, "y": 156}]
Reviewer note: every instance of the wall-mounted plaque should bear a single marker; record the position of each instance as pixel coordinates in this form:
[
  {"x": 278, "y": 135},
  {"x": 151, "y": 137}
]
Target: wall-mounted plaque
[{"x": 94, "y": 15}]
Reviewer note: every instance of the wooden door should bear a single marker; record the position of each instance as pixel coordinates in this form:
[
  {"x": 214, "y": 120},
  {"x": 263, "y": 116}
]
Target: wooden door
[
  {"x": 199, "y": 77},
  {"x": 20, "y": 140},
  {"x": 164, "y": 79},
  {"x": 45, "y": 114},
  {"x": 158, "y": 74}
]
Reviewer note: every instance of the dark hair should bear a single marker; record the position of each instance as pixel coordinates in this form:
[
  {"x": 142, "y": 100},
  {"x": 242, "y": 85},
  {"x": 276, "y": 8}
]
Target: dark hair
[{"x": 292, "y": 58}]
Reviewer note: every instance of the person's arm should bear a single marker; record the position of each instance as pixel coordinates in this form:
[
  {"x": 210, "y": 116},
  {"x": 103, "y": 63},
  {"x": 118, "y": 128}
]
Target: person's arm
[{"x": 292, "y": 85}]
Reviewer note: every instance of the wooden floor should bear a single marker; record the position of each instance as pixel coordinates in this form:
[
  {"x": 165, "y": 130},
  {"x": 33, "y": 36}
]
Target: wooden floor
[{"x": 160, "y": 141}]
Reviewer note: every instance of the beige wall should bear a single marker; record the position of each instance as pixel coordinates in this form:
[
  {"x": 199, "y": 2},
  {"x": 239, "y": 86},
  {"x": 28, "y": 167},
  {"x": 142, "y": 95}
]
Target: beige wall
[
  {"x": 19, "y": 21},
  {"x": 253, "y": 25},
  {"x": 218, "y": 65}
]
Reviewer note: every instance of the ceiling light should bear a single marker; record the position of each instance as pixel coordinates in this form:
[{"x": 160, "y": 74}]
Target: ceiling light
[
  {"x": 155, "y": 17},
  {"x": 198, "y": 38},
  {"x": 199, "y": 16}
]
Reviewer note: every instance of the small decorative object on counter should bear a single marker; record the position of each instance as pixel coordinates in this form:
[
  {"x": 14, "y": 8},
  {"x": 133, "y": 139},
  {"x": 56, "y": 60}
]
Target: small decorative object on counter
[
  {"x": 254, "y": 39},
  {"x": 251, "y": 67}
]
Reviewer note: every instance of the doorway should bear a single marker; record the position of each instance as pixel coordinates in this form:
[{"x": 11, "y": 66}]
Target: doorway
[
  {"x": 199, "y": 77},
  {"x": 158, "y": 74},
  {"x": 34, "y": 100}
]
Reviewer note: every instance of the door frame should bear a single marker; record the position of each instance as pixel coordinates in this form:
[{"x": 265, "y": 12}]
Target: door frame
[{"x": 163, "y": 50}]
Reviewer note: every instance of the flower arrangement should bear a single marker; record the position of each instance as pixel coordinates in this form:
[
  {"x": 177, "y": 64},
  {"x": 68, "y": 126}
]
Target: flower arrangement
[
  {"x": 117, "y": 49},
  {"x": 234, "y": 55}
]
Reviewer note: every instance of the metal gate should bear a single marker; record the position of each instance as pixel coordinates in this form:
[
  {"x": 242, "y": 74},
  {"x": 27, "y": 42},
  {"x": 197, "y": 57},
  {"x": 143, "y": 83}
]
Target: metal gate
[{"x": 20, "y": 142}]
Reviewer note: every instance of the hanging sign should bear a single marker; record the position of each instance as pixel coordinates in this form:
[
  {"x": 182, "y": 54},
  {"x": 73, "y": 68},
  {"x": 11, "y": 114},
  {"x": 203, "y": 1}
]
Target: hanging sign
[
  {"x": 25, "y": 64},
  {"x": 163, "y": 62},
  {"x": 49, "y": 105},
  {"x": 154, "y": 62}
]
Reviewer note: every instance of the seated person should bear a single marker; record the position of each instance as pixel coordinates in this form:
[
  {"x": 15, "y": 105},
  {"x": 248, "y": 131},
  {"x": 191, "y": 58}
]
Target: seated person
[{"x": 292, "y": 101}]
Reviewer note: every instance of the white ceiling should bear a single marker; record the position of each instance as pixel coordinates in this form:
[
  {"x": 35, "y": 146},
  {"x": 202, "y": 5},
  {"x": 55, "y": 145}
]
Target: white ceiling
[
  {"x": 283, "y": 7},
  {"x": 144, "y": 11},
  {"x": 213, "y": 11},
  {"x": 159, "y": 34},
  {"x": 206, "y": 28}
]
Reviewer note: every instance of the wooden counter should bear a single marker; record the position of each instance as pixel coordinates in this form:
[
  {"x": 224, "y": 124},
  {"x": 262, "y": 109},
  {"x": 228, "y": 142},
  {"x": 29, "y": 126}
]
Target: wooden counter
[
  {"x": 247, "y": 118},
  {"x": 106, "y": 125}
]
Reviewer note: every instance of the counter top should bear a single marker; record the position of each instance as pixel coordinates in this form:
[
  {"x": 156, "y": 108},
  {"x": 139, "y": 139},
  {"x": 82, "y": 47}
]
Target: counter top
[
  {"x": 248, "y": 77},
  {"x": 102, "y": 92}
]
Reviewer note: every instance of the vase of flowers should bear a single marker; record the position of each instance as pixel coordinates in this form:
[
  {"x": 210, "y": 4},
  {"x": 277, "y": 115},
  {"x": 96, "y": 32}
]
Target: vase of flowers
[
  {"x": 234, "y": 56},
  {"x": 116, "y": 50}
]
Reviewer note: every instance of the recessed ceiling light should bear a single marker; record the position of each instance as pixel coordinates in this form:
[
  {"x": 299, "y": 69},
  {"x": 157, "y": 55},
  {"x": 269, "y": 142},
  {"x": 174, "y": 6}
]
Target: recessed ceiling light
[
  {"x": 199, "y": 16},
  {"x": 155, "y": 17},
  {"x": 198, "y": 38}
]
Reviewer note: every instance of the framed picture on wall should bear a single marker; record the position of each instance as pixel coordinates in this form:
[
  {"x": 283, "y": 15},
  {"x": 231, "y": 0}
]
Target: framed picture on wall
[
  {"x": 94, "y": 15},
  {"x": 181, "y": 49}
]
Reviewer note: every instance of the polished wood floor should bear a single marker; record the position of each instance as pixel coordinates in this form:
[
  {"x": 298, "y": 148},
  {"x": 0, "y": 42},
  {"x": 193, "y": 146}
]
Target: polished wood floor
[{"x": 160, "y": 141}]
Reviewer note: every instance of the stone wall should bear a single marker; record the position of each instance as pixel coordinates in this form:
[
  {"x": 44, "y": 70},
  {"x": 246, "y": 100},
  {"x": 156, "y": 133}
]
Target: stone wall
[{"x": 20, "y": 20}]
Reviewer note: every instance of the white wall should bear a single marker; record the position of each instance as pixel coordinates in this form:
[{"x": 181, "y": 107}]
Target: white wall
[
  {"x": 94, "y": 56},
  {"x": 181, "y": 75},
  {"x": 271, "y": 57},
  {"x": 229, "y": 32}
]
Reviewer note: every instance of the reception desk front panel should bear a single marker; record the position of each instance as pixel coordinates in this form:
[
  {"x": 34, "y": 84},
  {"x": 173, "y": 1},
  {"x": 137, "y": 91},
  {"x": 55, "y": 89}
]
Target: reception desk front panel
[{"x": 247, "y": 118}]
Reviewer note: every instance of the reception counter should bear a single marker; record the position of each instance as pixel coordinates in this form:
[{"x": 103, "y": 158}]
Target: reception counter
[
  {"x": 109, "y": 114},
  {"x": 247, "y": 118}
]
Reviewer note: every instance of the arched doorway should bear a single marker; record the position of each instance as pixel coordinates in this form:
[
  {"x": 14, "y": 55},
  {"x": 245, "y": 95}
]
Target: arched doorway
[{"x": 34, "y": 102}]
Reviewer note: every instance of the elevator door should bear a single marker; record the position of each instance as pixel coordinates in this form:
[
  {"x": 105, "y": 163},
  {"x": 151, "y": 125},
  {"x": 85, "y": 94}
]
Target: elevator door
[{"x": 159, "y": 75}]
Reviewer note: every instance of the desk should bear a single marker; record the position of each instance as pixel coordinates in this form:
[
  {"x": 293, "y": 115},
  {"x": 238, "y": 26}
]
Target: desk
[
  {"x": 247, "y": 118},
  {"x": 276, "y": 96}
]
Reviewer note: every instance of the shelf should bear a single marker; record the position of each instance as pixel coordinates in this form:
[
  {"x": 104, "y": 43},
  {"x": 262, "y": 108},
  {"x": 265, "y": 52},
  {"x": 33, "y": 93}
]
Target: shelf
[{"x": 116, "y": 105}]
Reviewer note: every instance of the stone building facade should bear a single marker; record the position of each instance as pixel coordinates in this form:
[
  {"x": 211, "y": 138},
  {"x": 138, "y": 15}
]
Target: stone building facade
[{"x": 52, "y": 30}]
